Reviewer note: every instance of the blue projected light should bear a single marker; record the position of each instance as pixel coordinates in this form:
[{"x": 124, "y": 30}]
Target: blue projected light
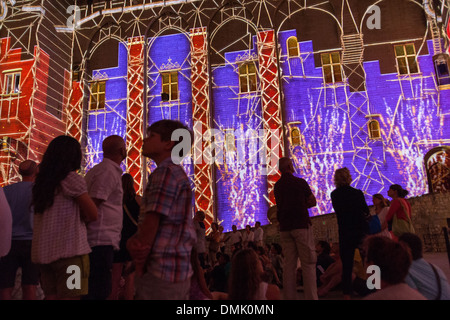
[
  {"x": 241, "y": 186},
  {"x": 332, "y": 121},
  {"x": 111, "y": 120},
  {"x": 335, "y": 135}
]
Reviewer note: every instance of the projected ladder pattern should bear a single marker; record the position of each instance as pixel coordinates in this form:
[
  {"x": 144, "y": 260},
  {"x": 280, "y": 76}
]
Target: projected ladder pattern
[
  {"x": 270, "y": 100},
  {"x": 135, "y": 110},
  {"x": 201, "y": 119}
]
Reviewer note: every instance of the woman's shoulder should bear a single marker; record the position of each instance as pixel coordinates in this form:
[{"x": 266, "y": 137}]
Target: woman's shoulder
[
  {"x": 346, "y": 191},
  {"x": 74, "y": 183}
]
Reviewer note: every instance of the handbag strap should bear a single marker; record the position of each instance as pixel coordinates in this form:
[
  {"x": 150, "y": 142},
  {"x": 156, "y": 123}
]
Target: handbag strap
[
  {"x": 129, "y": 215},
  {"x": 438, "y": 279},
  {"x": 404, "y": 210}
]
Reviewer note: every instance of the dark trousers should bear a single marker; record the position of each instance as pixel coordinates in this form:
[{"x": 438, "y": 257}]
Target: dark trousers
[
  {"x": 100, "y": 274},
  {"x": 347, "y": 247}
]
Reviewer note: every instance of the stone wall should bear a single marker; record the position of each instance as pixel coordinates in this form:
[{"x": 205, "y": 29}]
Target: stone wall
[{"x": 430, "y": 213}]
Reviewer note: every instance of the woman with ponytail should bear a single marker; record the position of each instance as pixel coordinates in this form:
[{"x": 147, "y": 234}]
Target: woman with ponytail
[{"x": 399, "y": 212}]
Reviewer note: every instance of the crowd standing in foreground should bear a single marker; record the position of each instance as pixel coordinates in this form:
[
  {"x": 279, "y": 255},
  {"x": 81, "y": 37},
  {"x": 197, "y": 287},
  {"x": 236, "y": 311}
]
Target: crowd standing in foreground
[{"x": 150, "y": 247}]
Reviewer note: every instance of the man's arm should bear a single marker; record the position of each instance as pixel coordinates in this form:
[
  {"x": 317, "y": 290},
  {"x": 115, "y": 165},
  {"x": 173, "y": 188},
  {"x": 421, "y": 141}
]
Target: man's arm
[
  {"x": 88, "y": 209},
  {"x": 141, "y": 243},
  {"x": 311, "y": 201},
  {"x": 97, "y": 201}
]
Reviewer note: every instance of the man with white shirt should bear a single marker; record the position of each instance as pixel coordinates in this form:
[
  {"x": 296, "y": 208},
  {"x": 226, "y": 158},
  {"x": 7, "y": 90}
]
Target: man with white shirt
[
  {"x": 248, "y": 236},
  {"x": 104, "y": 183},
  {"x": 258, "y": 234},
  {"x": 234, "y": 239}
]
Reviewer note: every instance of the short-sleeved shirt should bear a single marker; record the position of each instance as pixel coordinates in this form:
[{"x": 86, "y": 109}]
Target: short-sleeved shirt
[
  {"x": 248, "y": 236},
  {"x": 291, "y": 195},
  {"x": 59, "y": 231},
  {"x": 19, "y": 198},
  {"x": 235, "y": 237},
  {"x": 169, "y": 194},
  {"x": 104, "y": 182},
  {"x": 258, "y": 234},
  {"x": 422, "y": 278}
]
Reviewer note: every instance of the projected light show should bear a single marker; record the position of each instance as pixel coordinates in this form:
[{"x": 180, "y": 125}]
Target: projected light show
[{"x": 254, "y": 80}]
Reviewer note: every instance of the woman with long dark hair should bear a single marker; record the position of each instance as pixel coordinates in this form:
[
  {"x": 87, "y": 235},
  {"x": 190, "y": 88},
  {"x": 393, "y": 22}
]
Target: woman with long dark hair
[{"x": 62, "y": 208}]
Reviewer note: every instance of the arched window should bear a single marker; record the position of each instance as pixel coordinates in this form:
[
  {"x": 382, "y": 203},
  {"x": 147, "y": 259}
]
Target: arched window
[
  {"x": 247, "y": 77},
  {"x": 374, "y": 129},
  {"x": 295, "y": 137},
  {"x": 5, "y": 144},
  {"x": 437, "y": 165},
  {"x": 295, "y": 134},
  {"x": 292, "y": 47},
  {"x": 230, "y": 143}
]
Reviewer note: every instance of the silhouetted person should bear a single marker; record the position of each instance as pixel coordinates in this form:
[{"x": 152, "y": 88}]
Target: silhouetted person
[
  {"x": 19, "y": 196},
  {"x": 104, "y": 183},
  {"x": 293, "y": 197},
  {"x": 352, "y": 212}
]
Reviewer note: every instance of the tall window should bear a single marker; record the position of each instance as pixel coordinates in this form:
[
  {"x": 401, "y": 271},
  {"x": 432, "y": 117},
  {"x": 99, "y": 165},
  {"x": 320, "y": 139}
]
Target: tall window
[
  {"x": 295, "y": 137},
  {"x": 230, "y": 143},
  {"x": 247, "y": 77},
  {"x": 11, "y": 84},
  {"x": 295, "y": 134},
  {"x": 331, "y": 65},
  {"x": 292, "y": 47},
  {"x": 406, "y": 59},
  {"x": 374, "y": 129},
  {"x": 170, "y": 85},
  {"x": 97, "y": 95},
  {"x": 5, "y": 144}
]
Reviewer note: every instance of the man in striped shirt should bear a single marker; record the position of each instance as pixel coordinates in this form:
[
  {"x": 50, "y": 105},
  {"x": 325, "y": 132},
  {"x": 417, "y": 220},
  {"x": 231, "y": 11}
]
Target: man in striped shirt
[{"x": 161, "y": 249}]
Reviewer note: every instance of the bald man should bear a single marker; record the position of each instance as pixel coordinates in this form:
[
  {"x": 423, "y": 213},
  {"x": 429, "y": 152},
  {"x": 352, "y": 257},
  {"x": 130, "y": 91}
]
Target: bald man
[
  {"x": 18, "y": 196},
  {"x": 104, "y": 183}
]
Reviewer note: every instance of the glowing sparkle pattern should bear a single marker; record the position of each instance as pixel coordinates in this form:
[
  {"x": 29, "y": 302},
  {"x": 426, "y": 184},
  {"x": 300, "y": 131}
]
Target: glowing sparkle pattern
[
  {"x": 407, "y": 108},
  {"x": 241, "y": 183},
  {"x": 112, "y": 119},
  {"x": 324, "y": 114}
]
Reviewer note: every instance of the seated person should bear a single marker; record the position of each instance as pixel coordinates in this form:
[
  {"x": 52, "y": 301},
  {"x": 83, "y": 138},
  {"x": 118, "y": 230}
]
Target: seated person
[
  {"x": 421, "y": 275},
  {"x": 218, "y": 277},
  {"x": 324, "y": 260},
  {"x": 393, "y": 260},
  {"x": 332, "y": 276}
]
